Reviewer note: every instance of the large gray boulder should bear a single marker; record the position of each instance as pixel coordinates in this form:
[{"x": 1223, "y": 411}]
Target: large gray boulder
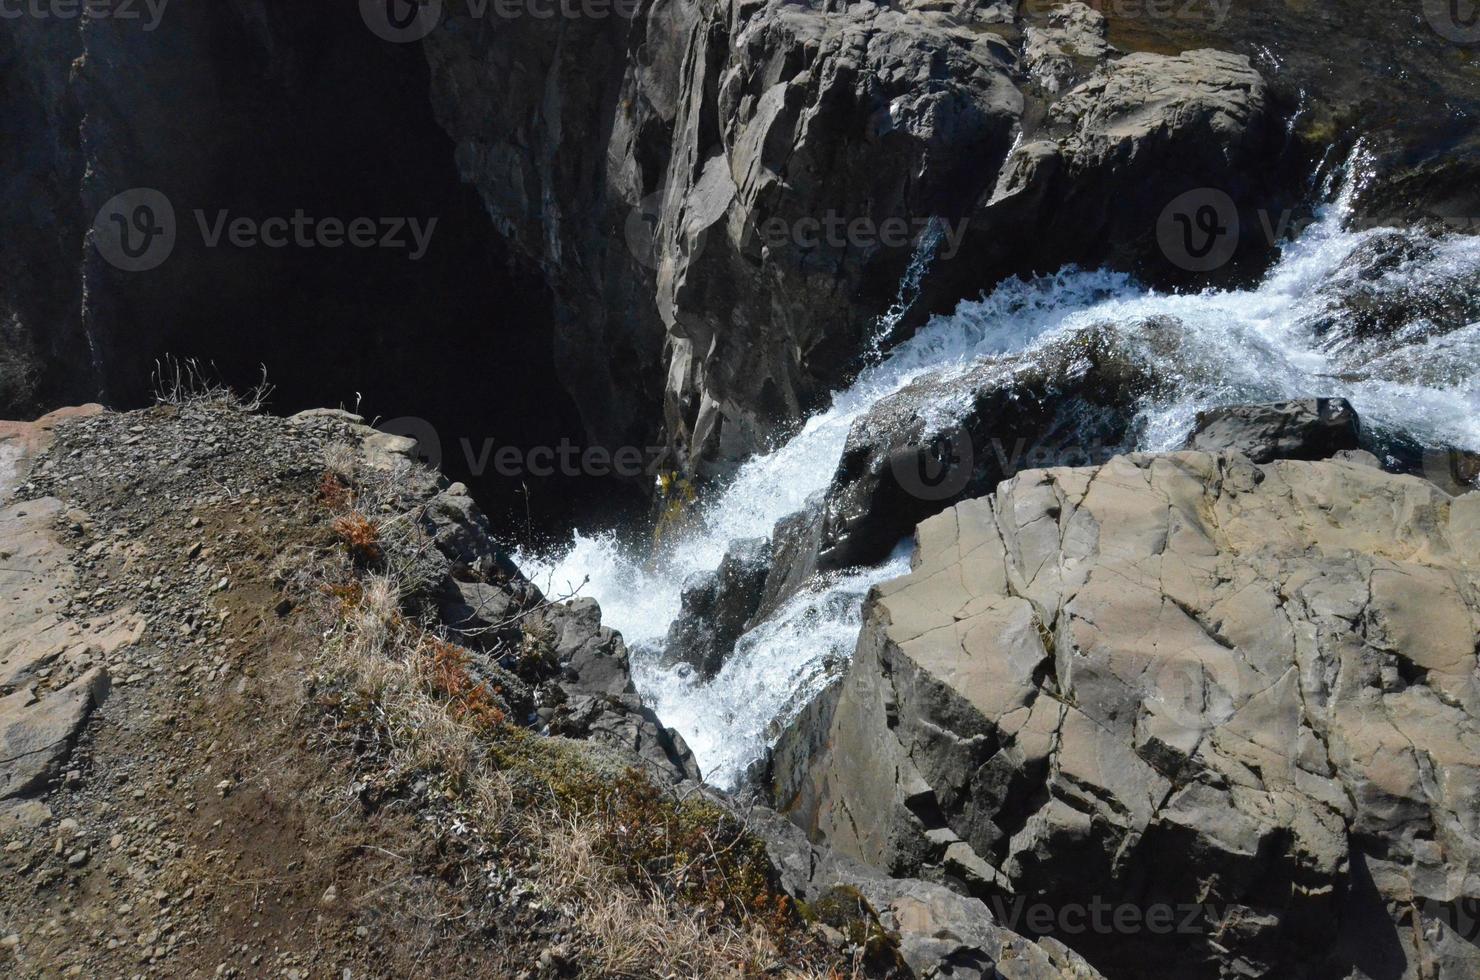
[
  {"x": 1312, "y": 428},
  {"x": 954, "y": 435},
  {"x": 718, "y": 607},
  {"x": 1247, "y": 692}
]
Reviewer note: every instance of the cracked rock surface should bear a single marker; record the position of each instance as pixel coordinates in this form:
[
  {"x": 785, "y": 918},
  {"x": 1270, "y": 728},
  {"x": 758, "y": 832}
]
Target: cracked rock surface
[{"x": 1247, "y": 691}]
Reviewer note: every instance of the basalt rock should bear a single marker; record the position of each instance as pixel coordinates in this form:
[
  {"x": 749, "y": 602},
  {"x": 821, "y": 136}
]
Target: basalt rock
[
  {"x": 1315, "y": 428},
  {"x": 953, "y": 436},
  {"x": 946, "y": 437},
  {"x": 937, "y": 932},
  {"x": 1243, "y": 691},
  {"x": 1374, "y": 313},
  {"x": 718, "y": 607},
  {"x": 770, "y": 169}
]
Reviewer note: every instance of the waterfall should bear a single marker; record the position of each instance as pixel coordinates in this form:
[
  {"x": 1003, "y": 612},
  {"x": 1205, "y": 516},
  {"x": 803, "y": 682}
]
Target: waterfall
[{"x": 1240, "y": 345}]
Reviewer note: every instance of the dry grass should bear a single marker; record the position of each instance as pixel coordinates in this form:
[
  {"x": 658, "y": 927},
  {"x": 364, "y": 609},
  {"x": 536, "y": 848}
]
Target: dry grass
[
  {"x": 648, "y": 885},
  {"x": 178, "y": 381}
]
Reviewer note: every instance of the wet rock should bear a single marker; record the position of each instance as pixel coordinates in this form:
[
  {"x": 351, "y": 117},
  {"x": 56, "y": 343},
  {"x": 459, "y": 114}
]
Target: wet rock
[
  {"x": 1314, "y": 428},
  {"x": 1245, "y": 691},
  {"x": 718, "y": 607},
  {"x": 1393, "y": 293},
  {"x": 953, "y": 436}
]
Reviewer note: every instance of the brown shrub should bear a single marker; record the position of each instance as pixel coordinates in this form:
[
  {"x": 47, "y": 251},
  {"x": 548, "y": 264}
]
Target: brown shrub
[
  {"x": 334, "y": 493},
  {"x": 360, "y": 536},
  {"x": 468, "y": 702}
]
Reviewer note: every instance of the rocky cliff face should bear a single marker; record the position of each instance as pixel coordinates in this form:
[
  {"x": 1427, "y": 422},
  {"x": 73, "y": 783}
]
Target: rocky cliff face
[
  {"x": 153, "y": 627},
  {"x": 713, "y": 180},
  {"x": 743, "y": 185},
  {"x": 722, "y": 198},
  {"x": 1243, "y": 690}
]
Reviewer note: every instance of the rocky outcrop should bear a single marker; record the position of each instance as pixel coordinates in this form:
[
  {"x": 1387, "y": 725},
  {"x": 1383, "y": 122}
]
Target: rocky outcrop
[
  {"x": 938, "y": 932},
  {"x": 1243, "y": 692},
  {"x": 555, "y": 665},
  {"x": 54, "y": 663},
  {"x": 955, "y": 435},
  {"x": 747, "y": 151},
  {"x": 1373, "y": 317},
  {"x": 719, "y": 606},
  {"x": 1315, "y": 428},
  {"x": 548, "y": 663},
  {"x": 250, "y": 111}
]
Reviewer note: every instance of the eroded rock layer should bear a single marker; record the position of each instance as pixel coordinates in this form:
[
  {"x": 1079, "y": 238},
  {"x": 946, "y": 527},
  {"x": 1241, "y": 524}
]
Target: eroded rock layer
[{"x": 1184, "y": 680}]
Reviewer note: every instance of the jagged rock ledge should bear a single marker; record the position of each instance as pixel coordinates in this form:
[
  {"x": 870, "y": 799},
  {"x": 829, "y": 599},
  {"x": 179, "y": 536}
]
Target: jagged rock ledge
[{"x": 1186, "y": 680}]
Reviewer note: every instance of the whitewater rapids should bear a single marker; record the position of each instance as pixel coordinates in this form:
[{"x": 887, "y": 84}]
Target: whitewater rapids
[{"x": 1238, "y": 346}]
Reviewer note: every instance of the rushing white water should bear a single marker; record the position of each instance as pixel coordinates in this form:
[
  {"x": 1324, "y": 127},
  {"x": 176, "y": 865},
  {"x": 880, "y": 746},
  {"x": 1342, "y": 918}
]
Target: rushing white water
[{"x": 1234, "y": 346}]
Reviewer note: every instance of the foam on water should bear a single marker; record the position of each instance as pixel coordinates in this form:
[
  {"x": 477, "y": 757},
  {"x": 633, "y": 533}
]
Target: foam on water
[
  {"x": 1234, "y": 346},
  {"x": 776, "y": 669}
]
